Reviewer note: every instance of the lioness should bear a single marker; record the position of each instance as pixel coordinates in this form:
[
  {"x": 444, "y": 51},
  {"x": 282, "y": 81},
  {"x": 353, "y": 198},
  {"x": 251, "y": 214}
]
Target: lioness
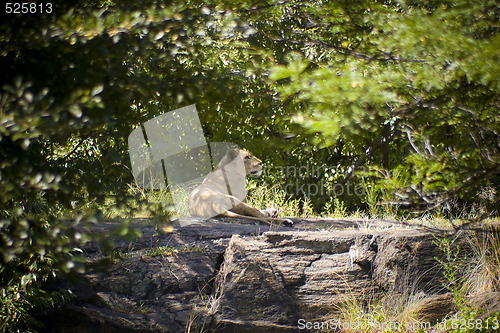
[{"x": 223, "y": 191}]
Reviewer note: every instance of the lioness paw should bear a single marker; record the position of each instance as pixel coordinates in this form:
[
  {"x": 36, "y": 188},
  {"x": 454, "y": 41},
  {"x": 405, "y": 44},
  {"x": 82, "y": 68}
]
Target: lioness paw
[
  {"x": 270, "y": 212},
  {"x": 287, "y": 222}
]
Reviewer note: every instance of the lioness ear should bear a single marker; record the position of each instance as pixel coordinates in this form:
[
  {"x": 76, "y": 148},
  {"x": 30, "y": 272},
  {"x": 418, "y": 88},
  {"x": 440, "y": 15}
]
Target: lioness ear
[{"x": 232, "y": 153}]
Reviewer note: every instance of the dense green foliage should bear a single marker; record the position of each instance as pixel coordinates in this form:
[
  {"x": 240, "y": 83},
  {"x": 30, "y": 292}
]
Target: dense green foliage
[
  {"x": 412, "y": 92},
  {"x": 407, "y": 92}
]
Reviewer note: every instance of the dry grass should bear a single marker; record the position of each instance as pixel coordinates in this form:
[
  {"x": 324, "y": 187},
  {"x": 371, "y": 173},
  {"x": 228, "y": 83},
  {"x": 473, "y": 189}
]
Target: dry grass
[{"x": 483, "y": 267}]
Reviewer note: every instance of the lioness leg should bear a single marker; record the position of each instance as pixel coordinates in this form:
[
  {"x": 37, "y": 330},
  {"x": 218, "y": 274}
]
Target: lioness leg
[
  {"x": 245, "y": 211},
  {"x": 236, "y": 215}
]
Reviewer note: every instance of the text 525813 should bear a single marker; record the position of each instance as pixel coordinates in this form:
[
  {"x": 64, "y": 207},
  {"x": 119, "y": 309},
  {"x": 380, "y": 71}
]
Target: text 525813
[{"x": 28, "y": 8}]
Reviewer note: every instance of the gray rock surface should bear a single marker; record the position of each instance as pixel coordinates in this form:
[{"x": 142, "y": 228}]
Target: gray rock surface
[
  {"x": 237, "y": 277},
  {"x": 487, "y": 300}
]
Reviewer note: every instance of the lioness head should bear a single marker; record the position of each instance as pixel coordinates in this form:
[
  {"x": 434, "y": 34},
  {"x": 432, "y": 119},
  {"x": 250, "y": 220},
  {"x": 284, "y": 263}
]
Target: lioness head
[{"x": 253, "y": 166}]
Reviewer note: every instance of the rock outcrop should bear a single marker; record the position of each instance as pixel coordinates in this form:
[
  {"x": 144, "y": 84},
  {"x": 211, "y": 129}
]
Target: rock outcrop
[{"x": 235, "y": 277}]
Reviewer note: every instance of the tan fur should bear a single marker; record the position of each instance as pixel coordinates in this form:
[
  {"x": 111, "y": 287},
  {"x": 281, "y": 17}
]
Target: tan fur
[{"x": 213, "y": 197}]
